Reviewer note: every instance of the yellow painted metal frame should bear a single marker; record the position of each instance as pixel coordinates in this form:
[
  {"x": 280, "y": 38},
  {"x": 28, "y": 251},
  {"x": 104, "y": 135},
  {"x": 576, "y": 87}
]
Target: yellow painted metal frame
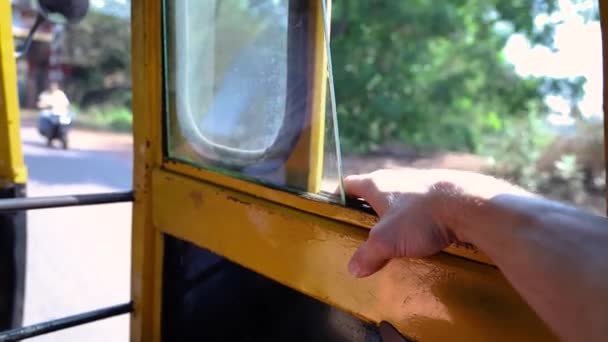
[
  {"x": 330, "y": 210},
  {"x": 439, "y": 298},
  {"x": 146, "y": 250},
  {"x": 305, "y": 165},
  {"x": 12, "y": 166},
  {"x": 297, "y": 241}
]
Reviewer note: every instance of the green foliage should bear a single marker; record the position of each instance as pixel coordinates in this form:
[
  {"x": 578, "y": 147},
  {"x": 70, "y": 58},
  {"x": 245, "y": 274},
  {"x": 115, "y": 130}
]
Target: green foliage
[
  {"x": 108, "y": 117},
  {"x": 99, "y": 45},
  {"x": 432, "y": 74},
  {"x": 515, "y": 152}
]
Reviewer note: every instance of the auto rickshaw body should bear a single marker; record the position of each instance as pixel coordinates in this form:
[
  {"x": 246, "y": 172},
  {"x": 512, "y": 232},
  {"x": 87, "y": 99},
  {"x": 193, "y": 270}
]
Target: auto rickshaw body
[{"x": 235, "y": 236}]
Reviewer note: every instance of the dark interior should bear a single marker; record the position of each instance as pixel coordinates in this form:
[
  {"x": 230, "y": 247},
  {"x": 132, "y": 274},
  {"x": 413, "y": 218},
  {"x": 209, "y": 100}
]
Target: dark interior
[{"x": 208, "y": 298}]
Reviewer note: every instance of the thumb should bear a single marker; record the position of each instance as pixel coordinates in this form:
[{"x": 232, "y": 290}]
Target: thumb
[
  {"x": 371, "y": 256},
  {"x": 358, "y": 185}
]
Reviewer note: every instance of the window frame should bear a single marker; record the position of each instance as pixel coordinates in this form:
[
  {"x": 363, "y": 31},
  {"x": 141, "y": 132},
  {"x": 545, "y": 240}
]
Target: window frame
[
  {"x": 182, "y": 200},
  {"x": 300, "y": 135},
  {"x": 304, "y": 165}
]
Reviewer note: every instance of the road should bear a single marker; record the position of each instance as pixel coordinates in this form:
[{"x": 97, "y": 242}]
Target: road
[{"x": 78, "y": 258}]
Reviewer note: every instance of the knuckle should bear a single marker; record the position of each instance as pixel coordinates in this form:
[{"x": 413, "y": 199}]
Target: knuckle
[
  {"x": 379, "y": 173},
  {"x": 367, "y": 184},
  {"x": 367, "y": 179},
  {"x": 380, "y": 244}
]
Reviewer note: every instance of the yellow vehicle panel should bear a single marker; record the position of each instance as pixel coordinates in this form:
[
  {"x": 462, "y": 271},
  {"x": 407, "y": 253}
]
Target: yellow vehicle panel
[
  {"x": 439, "y": 298},
  {"x": 295, "y": 240},
  {"x": 12, "y": 167}
]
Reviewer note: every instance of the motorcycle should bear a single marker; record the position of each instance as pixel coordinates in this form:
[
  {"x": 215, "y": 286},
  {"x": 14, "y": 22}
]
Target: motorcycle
[{"x": 54, "y": 126}]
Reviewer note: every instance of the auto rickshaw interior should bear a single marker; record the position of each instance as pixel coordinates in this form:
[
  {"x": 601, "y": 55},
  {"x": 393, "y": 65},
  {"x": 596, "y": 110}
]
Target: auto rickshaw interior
[
  {"x": 241, "y": 229},
  {"x": 248, "y": 114}
]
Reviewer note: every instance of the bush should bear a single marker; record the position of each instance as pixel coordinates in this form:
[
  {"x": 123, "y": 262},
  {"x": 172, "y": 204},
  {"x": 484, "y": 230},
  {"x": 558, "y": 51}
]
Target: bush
[
  {"x": 567, "y": 168},
  {"x": 120, "y": 119},
  {"x": 516, "y": 151},
  {"x": 114, "y": 118}
]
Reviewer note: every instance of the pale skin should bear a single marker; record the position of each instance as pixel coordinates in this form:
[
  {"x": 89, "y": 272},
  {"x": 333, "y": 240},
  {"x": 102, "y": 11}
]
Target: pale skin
[{"x": 555, "y": 256}]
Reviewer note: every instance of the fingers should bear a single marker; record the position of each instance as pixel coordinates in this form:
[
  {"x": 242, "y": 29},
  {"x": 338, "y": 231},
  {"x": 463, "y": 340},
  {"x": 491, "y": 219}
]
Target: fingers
[
  {"x": 380, "y": 246},
  {"x": 358, "y": 185},
  {"x": 363, "y": 186},
  {"x": 345, "y": 180},
  {"x": 374, "y": 253}
]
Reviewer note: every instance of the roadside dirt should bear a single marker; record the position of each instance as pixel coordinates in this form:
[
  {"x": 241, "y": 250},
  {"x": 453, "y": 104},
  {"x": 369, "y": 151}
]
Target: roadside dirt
[
  {"x": 85, "y": 139},
  {"x": 121, "y": 145},
  {"x": 447, "y": 160},
  {"x": 89, "y": 139}
]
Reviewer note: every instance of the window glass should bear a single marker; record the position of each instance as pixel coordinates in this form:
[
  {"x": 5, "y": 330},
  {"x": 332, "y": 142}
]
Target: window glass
[
  {"x": 232, "y": 71},
  {"x": 512, "y": 89},
  {"x": 246, "y": 91}
]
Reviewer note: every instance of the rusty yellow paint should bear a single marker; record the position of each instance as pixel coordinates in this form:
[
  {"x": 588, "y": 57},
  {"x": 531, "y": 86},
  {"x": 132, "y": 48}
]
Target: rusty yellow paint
[
  {"x": 305, "y": 165},
  {"x": 299, "y": 242},
  {"x": 304, "y": 203},
  {"x": 318, "y": 207},
  {"x": 12, "y": 166},
  {"x": 435, "y": 299},
  {"x": 147, "y": 153}
]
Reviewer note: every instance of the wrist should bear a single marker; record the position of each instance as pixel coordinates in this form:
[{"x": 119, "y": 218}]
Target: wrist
[
  {"x": 487, "y": 222},
  {"x": 455, "y": 211},
  {"x": 467, "y": 209}
]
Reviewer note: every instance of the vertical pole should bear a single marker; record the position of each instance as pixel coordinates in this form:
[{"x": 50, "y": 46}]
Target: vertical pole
[
  {"x": 13, "y": 176},
  {"x": 12, "y": 167},
  {"x": 146, "y": 250}
]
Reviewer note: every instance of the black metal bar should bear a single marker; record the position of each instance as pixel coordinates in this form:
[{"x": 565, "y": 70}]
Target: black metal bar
[
  {"x": 13, "y": 260},
  {"x": 30, "y": 36},
  {"x": 64, "y": 323},
  {"x": 27, "y": 203}
]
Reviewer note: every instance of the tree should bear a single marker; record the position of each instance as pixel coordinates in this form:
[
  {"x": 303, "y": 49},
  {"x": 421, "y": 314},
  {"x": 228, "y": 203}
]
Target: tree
[
  {"x": 432, "y": 74},
  {"x": 99, "y": 46}
]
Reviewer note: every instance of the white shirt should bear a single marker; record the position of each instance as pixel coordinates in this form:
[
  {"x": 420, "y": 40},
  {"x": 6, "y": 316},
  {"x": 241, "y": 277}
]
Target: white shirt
[{"x": 56, "y": 101}]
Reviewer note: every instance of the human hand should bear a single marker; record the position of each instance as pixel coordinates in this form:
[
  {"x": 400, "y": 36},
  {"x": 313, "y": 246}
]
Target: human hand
[
  {"x": 536, "y": 243},
  {"x": 421, "y": 211}
]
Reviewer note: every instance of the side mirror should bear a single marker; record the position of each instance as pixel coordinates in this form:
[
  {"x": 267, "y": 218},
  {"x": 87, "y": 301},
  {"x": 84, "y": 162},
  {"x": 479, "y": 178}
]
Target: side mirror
[
  {"x": 61, "y": 11},
  {"x": 57, "y": 11}
]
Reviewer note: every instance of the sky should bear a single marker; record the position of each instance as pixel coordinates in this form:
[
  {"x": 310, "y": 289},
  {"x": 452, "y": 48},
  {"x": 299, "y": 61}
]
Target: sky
[
  {"x": 121, "y": 8},
  {"x": 578, "y": 52},
  {"x": 102, "y": 3}
]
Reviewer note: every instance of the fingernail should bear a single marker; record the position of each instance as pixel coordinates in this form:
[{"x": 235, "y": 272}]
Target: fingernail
[{"x": 354, "y": 268}]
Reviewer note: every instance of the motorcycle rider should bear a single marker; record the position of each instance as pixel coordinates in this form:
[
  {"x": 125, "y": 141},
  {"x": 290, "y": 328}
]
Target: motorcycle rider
[
  {"x": 54, "y": 100},
  {"x": 55, "y": 116}
]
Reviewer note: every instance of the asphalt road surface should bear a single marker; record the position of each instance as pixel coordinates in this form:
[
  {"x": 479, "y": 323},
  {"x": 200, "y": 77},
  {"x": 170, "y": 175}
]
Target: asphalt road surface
[{"x": 78, "y": 258}]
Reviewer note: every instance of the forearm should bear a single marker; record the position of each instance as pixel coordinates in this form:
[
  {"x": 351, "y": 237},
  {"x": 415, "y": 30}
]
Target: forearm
[
  {"x": 537, "y": 245},
  {"x": 555, "y": 256}
]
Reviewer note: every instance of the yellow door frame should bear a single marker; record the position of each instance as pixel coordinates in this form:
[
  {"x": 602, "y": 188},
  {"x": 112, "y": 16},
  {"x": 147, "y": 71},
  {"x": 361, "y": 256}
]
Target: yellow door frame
[
  {"x": 299, "y": 242},
  {"x": 12, "y": 166},
  {"x": 146, "y": 250}
]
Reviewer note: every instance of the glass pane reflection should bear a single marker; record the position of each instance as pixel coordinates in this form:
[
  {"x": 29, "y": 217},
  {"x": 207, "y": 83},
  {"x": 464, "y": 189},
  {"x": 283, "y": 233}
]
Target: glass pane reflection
[{"x": 243, "y": 80}]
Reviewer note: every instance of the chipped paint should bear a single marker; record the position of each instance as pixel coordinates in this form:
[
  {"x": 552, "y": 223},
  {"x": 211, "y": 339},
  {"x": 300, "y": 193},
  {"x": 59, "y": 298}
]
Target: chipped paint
[{"x": 438, "y": 298}]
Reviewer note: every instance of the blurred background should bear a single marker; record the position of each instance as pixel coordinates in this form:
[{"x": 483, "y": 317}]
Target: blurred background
[
  {"x": 510, "y": 88},
  {"x": 78, "y": 258},
  {"x": 91, "y": 61}
]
